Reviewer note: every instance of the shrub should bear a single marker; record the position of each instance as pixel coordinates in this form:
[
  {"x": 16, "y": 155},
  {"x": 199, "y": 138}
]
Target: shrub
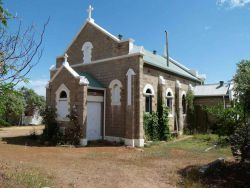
[
  {"x": 4, "y": 123},
  {"x": 74, "y": 132},
  {"x": 191, "y": 124},
  {"x": 157, "y": 127},
  {"x": 51, "y": 132},
  {"x": 151, "y": 126},
  {"x": 240, "y": 142},
  {"x": 226, "y": 119}
]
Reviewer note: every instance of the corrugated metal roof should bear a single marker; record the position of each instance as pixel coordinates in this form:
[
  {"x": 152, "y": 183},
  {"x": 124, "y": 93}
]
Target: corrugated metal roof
[
  {"x": 160, "y": 62},
  {"x": 93, "y": 82},
  {"x": 212, "y": 90}
]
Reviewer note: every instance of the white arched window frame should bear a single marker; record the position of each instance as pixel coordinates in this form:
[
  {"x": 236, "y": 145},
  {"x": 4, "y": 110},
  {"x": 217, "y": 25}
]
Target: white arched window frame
[
  {"x": 184, "y": 102},
  {"x": 115, "y": 90},
  {"x": 170, "y": 100},
  {"x": 62, "y": 103},
  {"x": 87, "y": 52},
  {"x": 148, "y": 92}
]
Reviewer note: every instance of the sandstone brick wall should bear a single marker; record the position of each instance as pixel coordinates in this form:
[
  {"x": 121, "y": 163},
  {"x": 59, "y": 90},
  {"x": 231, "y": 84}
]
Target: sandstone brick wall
[
  {"x": 151, "y": 76},
  {"x": 103, "y": 46},
  {"x": 210, "y": 101},
  {"x": 78, "y": 93},
  {"x": 120, "y": 121}
]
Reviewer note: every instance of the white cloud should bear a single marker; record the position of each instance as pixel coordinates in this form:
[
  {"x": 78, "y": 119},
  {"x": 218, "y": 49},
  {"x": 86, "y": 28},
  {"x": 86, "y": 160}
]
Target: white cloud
[
  {"x": 37, "y": 85},
  {"x": 233, "y": 3}
]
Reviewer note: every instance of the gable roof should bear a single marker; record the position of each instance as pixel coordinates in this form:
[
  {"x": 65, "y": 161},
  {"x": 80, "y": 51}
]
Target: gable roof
[
  {"x": 212, "y": 90},
  {"x": 161, "y": 62},
  {"x": 93, "y": 82},
  {"x": 97, "y": 27}
]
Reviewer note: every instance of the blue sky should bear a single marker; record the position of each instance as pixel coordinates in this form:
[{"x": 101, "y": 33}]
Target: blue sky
[{"x": 210, "y": 36}]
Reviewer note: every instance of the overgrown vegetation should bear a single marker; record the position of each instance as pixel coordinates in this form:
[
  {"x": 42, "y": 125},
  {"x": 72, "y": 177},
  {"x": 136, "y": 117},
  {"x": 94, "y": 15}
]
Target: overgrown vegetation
[
  {"x": 51, "y": 132},
  {"x": 156, "y": 124},
  {"x": 234, "y": 122},
  {"x": 191, "y": 124},
  {"x": 74, "y": 132}
]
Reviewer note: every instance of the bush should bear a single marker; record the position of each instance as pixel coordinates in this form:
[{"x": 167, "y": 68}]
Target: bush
[
  {"x": 157, "y": 127},
  {"x": 240, "y": 142},
  {"x": 151, "y": 126},
  {"x": 226, "y": 119},
  {"x": 191, "y": 124},
  {"x": 4, "y": 123},
  {"x": 74, "y": 132},
  {"x": 51, "y": 132}
]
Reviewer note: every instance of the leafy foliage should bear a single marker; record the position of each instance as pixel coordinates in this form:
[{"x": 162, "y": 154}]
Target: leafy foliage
[
  {"x": 226, "y": 119},
  {"x": 12, "y": 107},
  {"x": 51, "y": 132},
  {"x": 156, "y": 124},
  {"x": 151, "y": 126},
  {"x": 32, "y": 101},
  {"x": 4, "y": 15},
  {"x": 75, "y": 131},
  {"x": 240, "y": 142},
  {"x": 191, "y": 124}
]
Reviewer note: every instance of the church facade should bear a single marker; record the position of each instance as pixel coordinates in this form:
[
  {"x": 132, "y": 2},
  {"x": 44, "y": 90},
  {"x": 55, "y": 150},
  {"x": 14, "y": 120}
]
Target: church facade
[{"x": 111, "y": 83}]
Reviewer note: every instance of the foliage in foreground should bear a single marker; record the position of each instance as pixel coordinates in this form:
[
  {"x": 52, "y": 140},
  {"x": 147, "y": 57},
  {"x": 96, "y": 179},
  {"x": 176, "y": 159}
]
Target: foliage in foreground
[
  {"x": 51, "y": 132},
  {"x": 152, "y": 129}
]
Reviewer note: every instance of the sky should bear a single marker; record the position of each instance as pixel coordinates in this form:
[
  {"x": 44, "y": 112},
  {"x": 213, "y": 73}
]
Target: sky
[{"x": 211, "y": 36}]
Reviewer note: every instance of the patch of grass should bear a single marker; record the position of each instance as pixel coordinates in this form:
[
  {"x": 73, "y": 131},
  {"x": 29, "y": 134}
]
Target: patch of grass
[
  {"x": 24, "y": 178},
  {"x": 195, "y": 145}
]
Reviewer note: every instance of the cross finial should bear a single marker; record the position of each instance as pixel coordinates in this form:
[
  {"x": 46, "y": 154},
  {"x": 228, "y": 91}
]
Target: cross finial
[
  {"x": 89, "y": 10},
  {"x": 66, "y": 57}
]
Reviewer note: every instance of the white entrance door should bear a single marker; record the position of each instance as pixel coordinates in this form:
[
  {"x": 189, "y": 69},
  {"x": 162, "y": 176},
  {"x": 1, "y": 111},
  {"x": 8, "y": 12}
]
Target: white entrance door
[{"x": 94, "y": 110}]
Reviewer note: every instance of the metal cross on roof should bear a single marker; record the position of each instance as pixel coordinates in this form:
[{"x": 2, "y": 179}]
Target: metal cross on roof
[{"x": 89, "y": 10}]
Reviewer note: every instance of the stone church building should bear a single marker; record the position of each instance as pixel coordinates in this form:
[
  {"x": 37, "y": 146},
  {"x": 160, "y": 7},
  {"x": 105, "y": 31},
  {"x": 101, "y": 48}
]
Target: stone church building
[{"x": 111, "y": 83}]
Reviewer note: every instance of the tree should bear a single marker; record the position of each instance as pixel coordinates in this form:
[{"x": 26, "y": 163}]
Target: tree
[
  {"x": 240, "y": 140},
  {"x": 32, "y": 101},
  {"x": 19, "y": 53},
  {"x": 13, "y": 107}
]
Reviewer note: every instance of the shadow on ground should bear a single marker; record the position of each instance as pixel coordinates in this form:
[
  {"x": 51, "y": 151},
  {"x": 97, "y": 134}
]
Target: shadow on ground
[
  {"x": 229, "y": 174},
  {"x": 35, "y": 140}
]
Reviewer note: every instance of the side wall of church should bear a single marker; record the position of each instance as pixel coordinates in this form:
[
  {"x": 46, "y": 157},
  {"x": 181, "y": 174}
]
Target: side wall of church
[{"x": 151, "y": 76}]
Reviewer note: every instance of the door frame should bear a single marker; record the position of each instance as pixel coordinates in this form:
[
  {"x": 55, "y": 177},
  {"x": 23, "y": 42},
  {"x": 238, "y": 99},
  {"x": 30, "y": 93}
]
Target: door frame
[{"x": 91, "y": 98}]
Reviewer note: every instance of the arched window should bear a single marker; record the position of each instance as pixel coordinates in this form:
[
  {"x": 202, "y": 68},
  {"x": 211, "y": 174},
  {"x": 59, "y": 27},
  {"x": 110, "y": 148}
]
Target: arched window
[
  {"x": 148, "y": 101},
  {"x": 87, "y": 52},
  {"x": 169, "y": 100},
  {"x": 115, "y": 87},
  {"x": 62, "y": 103},
  {"x": 184, "y": 105},
  {"x": 63, "y": 95},
  {"x": 148, "y": 92}
]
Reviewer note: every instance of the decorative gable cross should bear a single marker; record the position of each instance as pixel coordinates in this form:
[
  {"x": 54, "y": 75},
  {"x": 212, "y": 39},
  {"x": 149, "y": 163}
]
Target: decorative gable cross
[{"x": 89, "y": 10}]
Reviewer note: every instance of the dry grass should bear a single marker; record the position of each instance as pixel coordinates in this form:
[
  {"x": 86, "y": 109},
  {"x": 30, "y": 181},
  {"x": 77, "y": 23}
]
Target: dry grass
[{"x": 159, "y": 165}]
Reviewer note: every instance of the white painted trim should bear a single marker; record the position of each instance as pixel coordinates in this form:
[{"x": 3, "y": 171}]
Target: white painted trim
[
  {"x": 111, "y": 87},
  {"x": 104, "y": 113},
  {"x": 83, "y": 142},
  {"x": 169, "y": 90},
  {"x": 127, "y": 141},
  {"x": 183, "y": 93},
  {"x": 83, "y": 80},
  {"x": 95, "y": 98},
  {"x": 129, "y": 75},
  {"x": 178, "y": 84},
  {"x": 61, "y": 88},
  {"x": 148, "y": 86},
  {"x": 105, "y": 59},
  {"x": 162, "y": 81}
]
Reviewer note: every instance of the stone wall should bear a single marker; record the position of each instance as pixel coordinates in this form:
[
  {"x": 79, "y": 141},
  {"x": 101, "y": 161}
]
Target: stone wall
[{"x": 150, "y": 75}]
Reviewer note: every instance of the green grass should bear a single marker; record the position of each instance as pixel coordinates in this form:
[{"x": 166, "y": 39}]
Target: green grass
[
  {"x": 26, "y": 179},
  {"x": 194, "y": 145}
]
